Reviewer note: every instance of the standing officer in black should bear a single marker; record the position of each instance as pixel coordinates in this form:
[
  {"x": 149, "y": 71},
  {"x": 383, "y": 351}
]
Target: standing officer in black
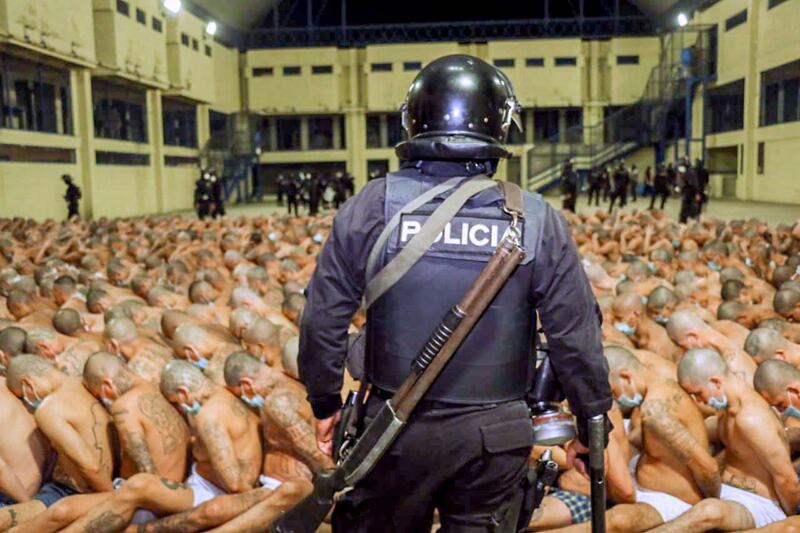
[
  {"x": 661, "y": 186},
  {"x": 72, "y": 196},
  {"x": 620, "y": 189},
  {"x": 595, "y": 185},
  {"x": 569, "y": 187},
  {"x": 466, "y": 446}
]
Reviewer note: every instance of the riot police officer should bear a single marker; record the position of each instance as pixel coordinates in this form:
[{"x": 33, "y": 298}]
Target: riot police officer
[
  {"x": 72, "y": 196},
  {"x": 619, "y": 192},
  {"x": 569, "y": 187},
  {"x": 691, "y": 191},
  {"x": 661, "y": 186},
  {"x": 203, "y": 195},
  {"x": 466, "y": 446}
]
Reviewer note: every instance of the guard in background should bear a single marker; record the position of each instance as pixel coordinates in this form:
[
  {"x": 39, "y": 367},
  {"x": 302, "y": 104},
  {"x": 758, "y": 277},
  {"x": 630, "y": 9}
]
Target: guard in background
[
  {"x": 569, "y": 187},
  {"x": 72, "y": 196},
  {"x": 218, "y": 194},
  {"x": 281, "y": 184},
  {"x": 203, "y": 196},
  {"x": 292, "y": 190},
  {"x": 633, "y": 176},
  {"x": 595, "y": 185},
  {"x": 702, "y": 180},
  {"x": 620, "y": 190},
  {"x": 691, "y": 192},
  {"x": 661, "y": 186},
  {"x": 605, "y": 182},
  {"x": 314, "y": 191},
  {"x": 465, "y": 450}
]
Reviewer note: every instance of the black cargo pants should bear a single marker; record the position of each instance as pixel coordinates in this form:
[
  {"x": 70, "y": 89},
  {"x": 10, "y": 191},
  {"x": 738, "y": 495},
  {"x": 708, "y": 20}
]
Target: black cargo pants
[{"x": 466, "y": 461}]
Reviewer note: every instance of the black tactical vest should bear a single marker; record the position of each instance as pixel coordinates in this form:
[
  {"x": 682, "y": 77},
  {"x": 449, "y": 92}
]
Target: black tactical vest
[{"x": 495, "y": 363}]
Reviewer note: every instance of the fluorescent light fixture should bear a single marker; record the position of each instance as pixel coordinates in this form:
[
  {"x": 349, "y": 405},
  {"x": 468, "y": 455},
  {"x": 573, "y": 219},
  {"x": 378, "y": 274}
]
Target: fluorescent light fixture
[
  {"x": 173, "y": 6},
  {"x": 211, "y": 28},
  {"x": 683, "y": 20}
]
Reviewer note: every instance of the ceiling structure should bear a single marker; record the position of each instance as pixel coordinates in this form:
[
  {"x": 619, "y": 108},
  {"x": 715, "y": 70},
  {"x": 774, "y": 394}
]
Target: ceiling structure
[{"x": 239, "y": 14}]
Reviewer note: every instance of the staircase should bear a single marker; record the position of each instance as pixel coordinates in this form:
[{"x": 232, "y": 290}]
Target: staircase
[
  {"x": 645, "y": 123},
  {"x": 232, "y": 153}
]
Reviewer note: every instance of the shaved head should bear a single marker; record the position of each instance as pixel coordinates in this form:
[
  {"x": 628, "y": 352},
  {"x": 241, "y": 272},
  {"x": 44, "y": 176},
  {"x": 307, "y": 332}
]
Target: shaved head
[
  {"x": 239, "y": 365},
  {"x": 628, "y": 302},
  {"x": 262, "y": 331},
  {"x": 786, "y": 300},
  {"x": 190, "y": 334},
  {"x": 120, "y": 329},
  {"x": 620, "y": 359},
  {"x": 67, "y": 321},
  {"x": 761, "y": 343},
  {"x": 180, "y": 373},
  {"x": 730, "y": 310},
  {"x": 682, "y": 322},
  {"x": 291, "y": 349},
  {"x": 699, "y": 364},
  {"x": 26, "y": 365},
  {"x": 661, "y": 297},
  {"x": 102, "y": 365},
  {"x": 12, "y": 341},
  {"x": 241, "y": 319},
  {"x": 773, "y": 376},
  {"x": 731, "y": 290}
]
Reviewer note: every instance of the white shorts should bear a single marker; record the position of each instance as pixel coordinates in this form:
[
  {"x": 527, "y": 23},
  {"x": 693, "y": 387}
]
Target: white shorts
[
  {"x": 763, "y": 510},
  {"x": 269, "y": 482},
  {"x": 667, "y": 505},
  {"x": 202, "y": 489}
]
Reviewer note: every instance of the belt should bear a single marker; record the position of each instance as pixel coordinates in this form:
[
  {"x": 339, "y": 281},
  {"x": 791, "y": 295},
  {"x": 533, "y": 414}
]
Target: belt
[{"x": 429, "y": 405}]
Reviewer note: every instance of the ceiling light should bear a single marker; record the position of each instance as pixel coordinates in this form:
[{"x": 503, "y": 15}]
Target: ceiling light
[
  {"x": 211, "y": 28},
  {"x": 682, "y": 20},
  {"x": 173, "y": 6}
]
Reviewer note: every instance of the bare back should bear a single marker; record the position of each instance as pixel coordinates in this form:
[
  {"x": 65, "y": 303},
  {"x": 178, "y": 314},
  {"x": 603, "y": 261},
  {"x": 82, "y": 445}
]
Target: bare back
[{"x": 670, "y": 423}]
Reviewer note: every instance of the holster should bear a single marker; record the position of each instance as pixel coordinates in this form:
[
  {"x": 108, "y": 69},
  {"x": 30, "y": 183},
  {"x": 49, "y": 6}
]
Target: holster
[
  {"x": 348, "y": 428},
  {"x": 534, "y": 487}
]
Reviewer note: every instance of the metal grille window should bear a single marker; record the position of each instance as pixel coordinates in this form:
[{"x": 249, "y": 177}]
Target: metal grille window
[
  {"x": 566, "y": 61},
  {"x": 774, "y": 3},
  {"x": 628, "y": 60},
  {"x": 123, "y": 8},
  {"x": 141, "y": 18},
  {"x": 322, "y": 69},
  {"x": 534, "y": 62},
  {"x": 208, "y": 51},
  {"x": 259, "y": 72},
  {"x": 184, "y": 39},
  {"x": 320, "y": 133},
  {"x": 158, "y": 26},
  {"x": 292, "y": 71},
  {"x": 288, "y": 132},
  {"x": 725, "y": 111},
  {"x": 120, "y": 111},
  {"x": 737, "y": 20},
  {"x": 180, "y": 123},
  {"x": 381, "y": 67},
  {"x": 34, "y": 97},
  {"x": 504, "y": 63},
  {"x": 780, "y": 94},
  {"x": 195, "y": 45},
  {"x": 412, "y": 65},
  {"x": 121, "y": 159},
  {"x": 36, "y": 154},
  {"x": 760, "y": 160}
]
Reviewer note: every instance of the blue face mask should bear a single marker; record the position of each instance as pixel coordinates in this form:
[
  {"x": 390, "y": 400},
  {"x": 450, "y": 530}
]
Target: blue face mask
[
  {"x": 791, "y": 411},
  {"x": 676, "y": 244},
  {"x": 714, "y": 266},
  {"x": 33, "y": 404},
  {"x": 718, "y": 405},
  {"x": 272, "y": 236},
  {"x": 201, "y": 363},
  {"x": 661, "y": 320},
  {"x": 629, "y": 402},
  {"x": 625, "y": 328},
  {"x": 748, "y": 261},
  {"x": 623, "y": 277},
  {"x": 256, "y": 402},
  {"x": 318, "y": 238},
  {"x": 191, "y": 409}
]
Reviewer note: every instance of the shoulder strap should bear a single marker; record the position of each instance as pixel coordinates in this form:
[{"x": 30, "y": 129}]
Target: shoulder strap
[
  {"x": 410, "y": 207},
  {"x": 416, "y": 248},
  {"x": 512, "y": 195}
]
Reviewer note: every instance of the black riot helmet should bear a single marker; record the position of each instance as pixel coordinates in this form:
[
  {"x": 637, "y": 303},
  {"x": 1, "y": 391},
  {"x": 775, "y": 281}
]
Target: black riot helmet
[{"x": 458, "y": 107}]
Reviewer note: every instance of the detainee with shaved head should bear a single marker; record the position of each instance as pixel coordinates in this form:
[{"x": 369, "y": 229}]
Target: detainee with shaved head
[
  {"x": 688, "y": 331},
  {"x": 207, "y": 352},
  {"x": 787, "y": 304},
  {"x": 153, "y": 435},
  {"x": 675, "y": 469},
  {"x": 145, "y": 356},
  {"x": 778, "y": 383},
  {"x": 759, "y": 483},
  {"x": 12, "y": 343},
  {"x": 80, "y": 431},
  {"x": 286, "y": 418},
  {"x": 661, "y": 302},
  {"x": 632, "y": 320},
  {"x": 763, "y": 344}
]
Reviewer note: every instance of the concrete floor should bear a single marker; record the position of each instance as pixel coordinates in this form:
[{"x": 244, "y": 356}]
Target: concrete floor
[{"x": 722, "y": 209}]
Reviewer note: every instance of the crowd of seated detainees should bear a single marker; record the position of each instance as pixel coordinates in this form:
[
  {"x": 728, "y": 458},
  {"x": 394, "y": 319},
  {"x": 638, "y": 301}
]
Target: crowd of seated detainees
[{"x": 150, "y": 374}]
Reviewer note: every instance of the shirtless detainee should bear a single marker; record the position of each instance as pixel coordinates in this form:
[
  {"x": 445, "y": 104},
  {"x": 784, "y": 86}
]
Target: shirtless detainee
[
  {"x": 632, "y": 320},
  {"x": 675, "y": 469},
  {"x": 759, "y": 484}
]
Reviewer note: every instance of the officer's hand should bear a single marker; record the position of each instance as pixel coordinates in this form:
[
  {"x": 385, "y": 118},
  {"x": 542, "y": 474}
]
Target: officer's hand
[
  {"x": 573, "y": 451},
  {"x": 325, "y": 433}
]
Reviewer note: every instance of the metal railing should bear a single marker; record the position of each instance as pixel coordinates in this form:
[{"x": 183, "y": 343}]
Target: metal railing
[
  {"x": 683, "y": 53},
  {"x": 362, "y": 35}
]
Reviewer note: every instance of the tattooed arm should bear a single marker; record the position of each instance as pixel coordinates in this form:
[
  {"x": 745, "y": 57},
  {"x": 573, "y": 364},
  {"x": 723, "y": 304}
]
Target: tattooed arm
[
  {"x": 66, "y": 440},
  {"x": 134, "y": 443},
  {"x": 220, "y": 449},
  {"x": 660, "y": 419},
  {"x": 283, "y": 409}
]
